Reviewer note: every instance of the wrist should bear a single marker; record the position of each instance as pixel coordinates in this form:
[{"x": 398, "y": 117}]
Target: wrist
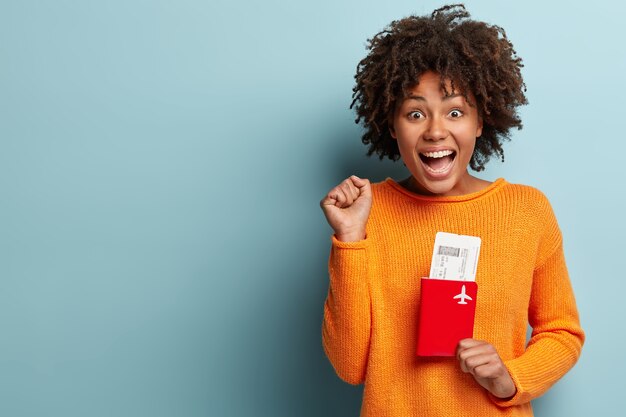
[
  {"x": 350, "y": 236},
  {"x": 504, "y": 389}
]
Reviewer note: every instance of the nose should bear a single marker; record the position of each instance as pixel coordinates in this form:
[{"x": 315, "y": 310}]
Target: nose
[{"x": 436, "y": 129}]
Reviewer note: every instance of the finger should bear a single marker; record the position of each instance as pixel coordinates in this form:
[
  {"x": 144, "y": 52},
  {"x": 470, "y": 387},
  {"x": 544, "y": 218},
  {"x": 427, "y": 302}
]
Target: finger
[
  {"x": 340, "y": 196},
  {"x": 468, "y": 343},
  {"x": 481, "y": 350},
  {"x": 328, "y": 200},
  {"x": 463, "y": 366},
  {"x": 464, "y": 345},
  {"x": 489, "y": 370},
  {"x": 477, "y": 348},
  {"x": 476, "y": 361},
  {"x": 350, "y": 189},
  {"x": 468, "y": 363},
  {"x": 347, "y": 196},
  {"x": 363, "y": 185},
  {"x": 470, "y": 350},
  {"x": 331, "y": 199}
]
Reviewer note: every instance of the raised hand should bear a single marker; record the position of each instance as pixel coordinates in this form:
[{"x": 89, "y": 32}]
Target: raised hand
[
  {"x": 481, "y": 360},
  {"x": 347, "y": 207}
]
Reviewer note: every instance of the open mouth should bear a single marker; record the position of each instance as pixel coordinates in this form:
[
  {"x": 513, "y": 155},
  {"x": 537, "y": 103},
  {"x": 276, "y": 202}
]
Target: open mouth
[{"x": 438, "y": 162}]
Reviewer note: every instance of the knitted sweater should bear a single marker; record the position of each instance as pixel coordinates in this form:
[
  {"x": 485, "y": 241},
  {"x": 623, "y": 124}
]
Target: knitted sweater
[{"x": 369, "y": 331}]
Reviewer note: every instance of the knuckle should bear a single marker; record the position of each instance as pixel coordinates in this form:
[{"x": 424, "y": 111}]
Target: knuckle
[
  {"x": 482, "y": 372},
  {"x": 465, "y": 343},
  {"x": 471, "y": 363}
]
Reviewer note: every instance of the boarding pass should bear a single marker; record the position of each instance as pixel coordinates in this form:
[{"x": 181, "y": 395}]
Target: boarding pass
[{"x": 455, "y": 257}]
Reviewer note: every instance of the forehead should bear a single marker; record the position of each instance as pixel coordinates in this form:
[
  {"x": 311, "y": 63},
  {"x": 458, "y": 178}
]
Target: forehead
[
  {"x": 432, "y": 82},
  {"x": 430, "y": 85}
]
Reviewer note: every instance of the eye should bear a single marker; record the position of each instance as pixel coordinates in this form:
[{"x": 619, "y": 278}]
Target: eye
[
  {"x": 415, "y": 115},
  {"x": 455, "y": 113}
]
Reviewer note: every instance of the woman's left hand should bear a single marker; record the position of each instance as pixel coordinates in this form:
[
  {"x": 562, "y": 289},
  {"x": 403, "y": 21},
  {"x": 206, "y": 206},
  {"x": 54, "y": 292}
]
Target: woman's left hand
[{"x": 481, "y": 360}]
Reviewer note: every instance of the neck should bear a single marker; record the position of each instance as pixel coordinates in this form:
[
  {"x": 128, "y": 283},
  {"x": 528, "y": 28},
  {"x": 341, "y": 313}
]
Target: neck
[{"x": 466, "y": 185}]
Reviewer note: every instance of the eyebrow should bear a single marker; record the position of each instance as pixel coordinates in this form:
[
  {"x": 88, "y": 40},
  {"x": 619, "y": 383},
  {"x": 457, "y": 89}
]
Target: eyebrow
[{"x": 448, "y": 97}]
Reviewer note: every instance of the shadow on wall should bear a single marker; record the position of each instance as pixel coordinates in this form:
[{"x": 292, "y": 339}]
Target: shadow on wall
[{"x": 315, "y": 390}]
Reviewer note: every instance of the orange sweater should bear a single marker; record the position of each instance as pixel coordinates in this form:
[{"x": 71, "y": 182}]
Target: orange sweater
[{"x": 369, "y": 331}]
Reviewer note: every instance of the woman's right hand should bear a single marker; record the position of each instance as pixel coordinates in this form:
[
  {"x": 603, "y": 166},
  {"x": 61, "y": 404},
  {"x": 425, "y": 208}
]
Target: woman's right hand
[{"x": 347, "y": 207}]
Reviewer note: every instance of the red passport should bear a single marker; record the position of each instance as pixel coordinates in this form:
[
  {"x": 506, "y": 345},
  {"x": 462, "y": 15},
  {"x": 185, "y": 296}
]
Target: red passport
[{"x": 446, "y": 315}]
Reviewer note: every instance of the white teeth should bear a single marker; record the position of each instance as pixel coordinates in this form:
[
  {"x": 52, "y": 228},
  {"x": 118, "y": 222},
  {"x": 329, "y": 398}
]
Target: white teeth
[{"x": 438, "y": 154}]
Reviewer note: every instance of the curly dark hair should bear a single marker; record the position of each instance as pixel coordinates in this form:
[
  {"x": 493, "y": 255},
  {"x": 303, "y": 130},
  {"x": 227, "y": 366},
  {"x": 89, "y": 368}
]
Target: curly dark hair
[{"x": 474, "y": 56}]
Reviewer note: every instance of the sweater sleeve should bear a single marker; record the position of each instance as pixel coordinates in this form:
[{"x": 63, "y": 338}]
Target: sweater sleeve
[
  {"x": 347, "y": 316},
  {"x": 557, "y": 337}
]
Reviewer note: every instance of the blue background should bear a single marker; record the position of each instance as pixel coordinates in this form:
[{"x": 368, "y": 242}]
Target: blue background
[{"x": 162, "y": 252}]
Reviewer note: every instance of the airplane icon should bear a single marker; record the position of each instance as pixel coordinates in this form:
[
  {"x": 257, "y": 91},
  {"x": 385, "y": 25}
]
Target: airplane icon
[{"x": 462, "y": 296}]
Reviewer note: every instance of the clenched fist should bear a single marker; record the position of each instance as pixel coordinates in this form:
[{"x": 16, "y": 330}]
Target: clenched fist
[{"x": 347, "y": 207}]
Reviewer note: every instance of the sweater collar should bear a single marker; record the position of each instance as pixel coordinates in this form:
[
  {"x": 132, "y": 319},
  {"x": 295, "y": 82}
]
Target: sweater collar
[{"x": 497, "y": 184}]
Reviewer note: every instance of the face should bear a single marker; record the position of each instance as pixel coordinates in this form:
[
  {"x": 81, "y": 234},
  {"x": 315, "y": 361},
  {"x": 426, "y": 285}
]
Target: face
[{"x": 436, "y": 134}]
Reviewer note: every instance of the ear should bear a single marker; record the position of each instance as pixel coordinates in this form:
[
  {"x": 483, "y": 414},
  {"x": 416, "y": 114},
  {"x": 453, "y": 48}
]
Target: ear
[
  {"x": 479, "y": 128},
  {"x": 392, "y": 132},
  {"x": 392, "y": 129}
]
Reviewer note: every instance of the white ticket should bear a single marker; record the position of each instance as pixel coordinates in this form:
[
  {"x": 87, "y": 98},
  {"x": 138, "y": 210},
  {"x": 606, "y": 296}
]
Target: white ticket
[{"x": 455, "y": 257}]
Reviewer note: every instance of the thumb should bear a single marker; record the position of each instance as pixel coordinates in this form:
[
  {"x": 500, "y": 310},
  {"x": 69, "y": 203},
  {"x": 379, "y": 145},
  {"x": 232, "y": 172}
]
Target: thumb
[{"x": 363, "y": 185}]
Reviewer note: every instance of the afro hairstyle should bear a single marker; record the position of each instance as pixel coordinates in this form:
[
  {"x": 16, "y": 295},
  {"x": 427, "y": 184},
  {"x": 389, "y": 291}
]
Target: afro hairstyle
[{"x": 474, "y": 56}]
